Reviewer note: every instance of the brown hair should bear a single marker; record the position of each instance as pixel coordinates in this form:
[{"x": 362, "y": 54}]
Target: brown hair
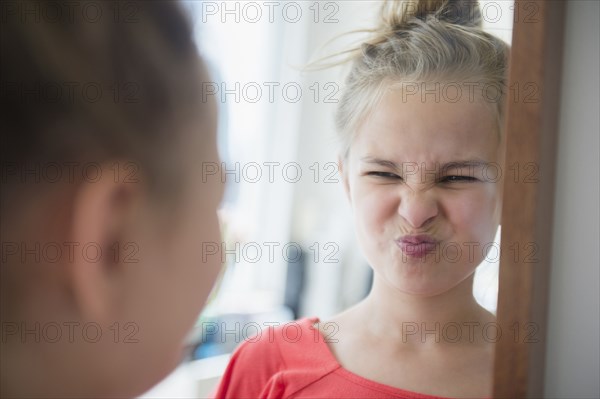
[{"x": 101, "y": 81}]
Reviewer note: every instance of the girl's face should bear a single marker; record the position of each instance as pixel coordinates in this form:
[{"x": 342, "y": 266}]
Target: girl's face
[
  {"x": 421, "y": 167},
  {"x": 179, "y": 260}
]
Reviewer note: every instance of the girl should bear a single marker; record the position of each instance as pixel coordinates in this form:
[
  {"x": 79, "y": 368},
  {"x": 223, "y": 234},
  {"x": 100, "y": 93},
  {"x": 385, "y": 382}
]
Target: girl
[
  {"x": 420, "y": 123},
  {"x": 105, "y": 211}
]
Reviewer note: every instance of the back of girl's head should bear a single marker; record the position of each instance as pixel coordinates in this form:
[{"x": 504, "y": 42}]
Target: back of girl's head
[
  {"x": 95, "y": 96},
  {"x": 90, "y": 82},
  {"x": 423, "y": 41}
]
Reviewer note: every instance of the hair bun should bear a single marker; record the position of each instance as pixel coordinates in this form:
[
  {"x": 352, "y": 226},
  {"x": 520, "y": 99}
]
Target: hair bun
[{"x": 397, "y": 15}]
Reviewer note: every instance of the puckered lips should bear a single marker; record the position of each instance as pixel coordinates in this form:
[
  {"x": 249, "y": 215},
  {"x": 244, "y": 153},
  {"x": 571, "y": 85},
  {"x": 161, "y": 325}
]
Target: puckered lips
[{"x": 417, "y": 246}]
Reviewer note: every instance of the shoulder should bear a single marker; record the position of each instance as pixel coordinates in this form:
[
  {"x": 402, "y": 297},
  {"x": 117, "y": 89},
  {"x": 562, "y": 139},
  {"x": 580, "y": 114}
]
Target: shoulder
[
  {"x": 277, "y": 347},
  {"x": 276, "y": 361}
]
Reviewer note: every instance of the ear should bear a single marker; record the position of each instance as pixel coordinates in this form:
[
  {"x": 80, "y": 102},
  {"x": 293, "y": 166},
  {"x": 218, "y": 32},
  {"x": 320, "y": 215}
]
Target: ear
[
  {"x": 344, "y": 176},
  {"x": 102, "y": 212}
]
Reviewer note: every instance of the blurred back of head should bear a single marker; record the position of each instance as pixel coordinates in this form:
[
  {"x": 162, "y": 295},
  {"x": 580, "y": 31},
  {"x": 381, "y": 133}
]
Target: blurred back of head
[
  {"x": 86, "y": 86},
  {"x": 92, "y": 81}
]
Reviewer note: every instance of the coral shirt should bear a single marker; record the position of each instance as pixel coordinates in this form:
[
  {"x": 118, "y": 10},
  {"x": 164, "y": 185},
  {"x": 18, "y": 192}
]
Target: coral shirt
[{"x": 294, "y": 361}]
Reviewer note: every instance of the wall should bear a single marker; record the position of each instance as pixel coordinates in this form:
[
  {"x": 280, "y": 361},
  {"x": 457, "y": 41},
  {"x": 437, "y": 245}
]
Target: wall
[{"x": 573, "y": 354}]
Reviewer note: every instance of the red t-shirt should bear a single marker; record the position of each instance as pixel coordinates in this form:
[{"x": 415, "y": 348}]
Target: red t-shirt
[{"x": 294, "y": 361}]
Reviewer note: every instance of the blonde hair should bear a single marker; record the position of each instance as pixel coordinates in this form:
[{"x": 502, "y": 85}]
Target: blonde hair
[{"x": 422, "y": 41}]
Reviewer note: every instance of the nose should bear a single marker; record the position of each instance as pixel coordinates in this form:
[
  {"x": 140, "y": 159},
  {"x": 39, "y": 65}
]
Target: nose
[{"x": 418, "y": 208}]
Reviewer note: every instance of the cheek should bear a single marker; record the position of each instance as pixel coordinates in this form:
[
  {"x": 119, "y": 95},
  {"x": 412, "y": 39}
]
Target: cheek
[
  {"x": 472, "y": 214},
  {"x": 199, "y": 251},
  {"x": 374, "y": 208}
]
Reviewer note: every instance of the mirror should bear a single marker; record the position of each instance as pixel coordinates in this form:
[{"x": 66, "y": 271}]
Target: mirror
[{"x": 290, "y": 247}]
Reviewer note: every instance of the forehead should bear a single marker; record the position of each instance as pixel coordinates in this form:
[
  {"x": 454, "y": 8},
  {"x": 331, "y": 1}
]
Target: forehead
[{"x": 420, "y": 129}]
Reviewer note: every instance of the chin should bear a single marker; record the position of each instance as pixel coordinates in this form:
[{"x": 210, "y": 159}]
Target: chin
[
  {"x": 419, "y": 284},
  {"x": 426, "y": 292},
  {"x": 158, "y": 369}
]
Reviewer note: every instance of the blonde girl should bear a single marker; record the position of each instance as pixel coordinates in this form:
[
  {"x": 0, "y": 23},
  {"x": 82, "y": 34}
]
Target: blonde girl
[{"x": 421, "y": 129}]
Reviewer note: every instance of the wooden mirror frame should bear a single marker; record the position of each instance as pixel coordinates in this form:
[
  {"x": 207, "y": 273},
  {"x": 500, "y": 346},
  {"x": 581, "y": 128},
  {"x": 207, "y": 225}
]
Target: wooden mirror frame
[{"x": 531, "y": 128}]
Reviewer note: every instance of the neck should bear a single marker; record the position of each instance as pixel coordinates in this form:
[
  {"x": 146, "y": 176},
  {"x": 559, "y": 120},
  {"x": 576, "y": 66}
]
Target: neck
[{"x": 398, "y": 315}]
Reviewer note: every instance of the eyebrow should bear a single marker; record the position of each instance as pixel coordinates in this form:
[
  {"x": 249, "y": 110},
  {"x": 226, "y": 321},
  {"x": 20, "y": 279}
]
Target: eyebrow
[{"x": 469, "y": 163}]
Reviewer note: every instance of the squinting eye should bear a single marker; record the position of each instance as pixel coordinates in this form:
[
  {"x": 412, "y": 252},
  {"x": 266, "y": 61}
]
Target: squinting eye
[
  {"x": 458, "y": 179},
  {"x": 386, "y": 175}
]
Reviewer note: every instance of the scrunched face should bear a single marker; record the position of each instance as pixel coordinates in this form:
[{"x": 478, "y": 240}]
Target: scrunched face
[{"x": 424, "y": 182}]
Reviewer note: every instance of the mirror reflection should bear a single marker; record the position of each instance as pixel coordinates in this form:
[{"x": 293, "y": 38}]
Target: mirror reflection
[{"x": 302, "y": 239}]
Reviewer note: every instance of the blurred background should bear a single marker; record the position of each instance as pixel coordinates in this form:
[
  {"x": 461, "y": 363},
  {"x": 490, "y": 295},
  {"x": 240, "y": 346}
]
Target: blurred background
[{"x": 288, "y": 241}]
